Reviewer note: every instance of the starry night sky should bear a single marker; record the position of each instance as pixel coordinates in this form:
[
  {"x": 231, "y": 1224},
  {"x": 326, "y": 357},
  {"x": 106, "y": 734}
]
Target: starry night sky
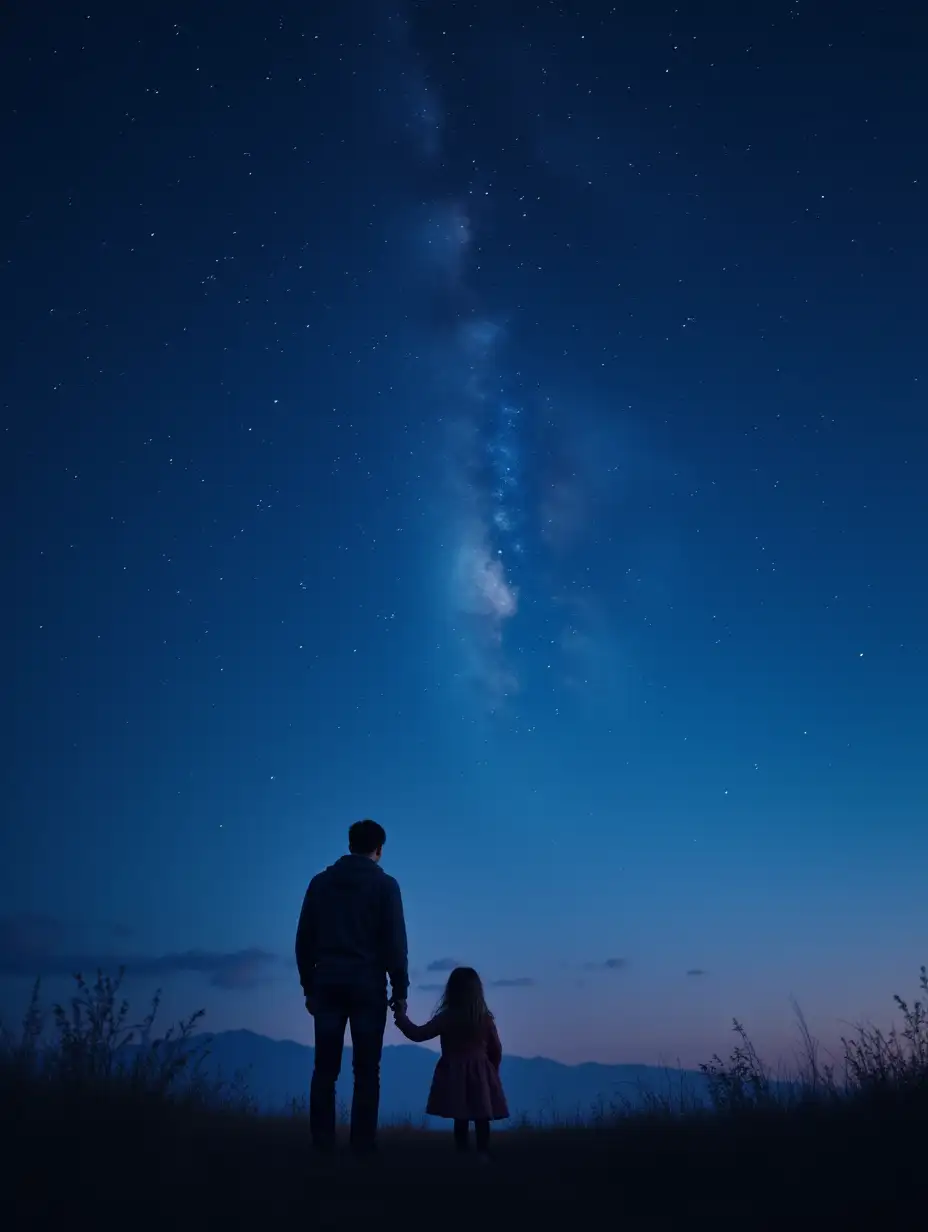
[{"x": 503, "y": 421}]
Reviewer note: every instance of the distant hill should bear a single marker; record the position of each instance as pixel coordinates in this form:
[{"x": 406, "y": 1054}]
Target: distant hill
[{"x": 278, "y": 1071}]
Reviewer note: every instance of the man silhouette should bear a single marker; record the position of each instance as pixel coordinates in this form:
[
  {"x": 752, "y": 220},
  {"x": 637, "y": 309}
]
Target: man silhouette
[{"x": 350, "y": 937}]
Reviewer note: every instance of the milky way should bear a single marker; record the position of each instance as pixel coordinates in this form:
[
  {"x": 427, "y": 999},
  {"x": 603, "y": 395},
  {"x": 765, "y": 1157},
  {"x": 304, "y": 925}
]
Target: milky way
[
  {"x": 500, "y": 539},
  {"x": 488, "y": 526}
]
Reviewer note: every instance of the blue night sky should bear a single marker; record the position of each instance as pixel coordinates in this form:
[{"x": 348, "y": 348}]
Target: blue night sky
[{"x": 503, "y": 421}]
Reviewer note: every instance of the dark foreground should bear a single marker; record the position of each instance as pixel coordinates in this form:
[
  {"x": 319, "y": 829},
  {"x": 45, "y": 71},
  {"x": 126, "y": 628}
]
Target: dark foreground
[{"x": 139, "y": 1162}]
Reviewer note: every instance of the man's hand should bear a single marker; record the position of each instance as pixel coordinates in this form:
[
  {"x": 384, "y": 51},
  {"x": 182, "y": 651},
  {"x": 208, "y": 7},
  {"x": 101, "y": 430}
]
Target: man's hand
[
  {"x": 311, "y": 1005},
  {"x": 398, "y": 1006}
]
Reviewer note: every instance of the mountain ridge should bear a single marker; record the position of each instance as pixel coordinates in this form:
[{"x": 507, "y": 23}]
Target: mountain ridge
[{"x": 277, "y": 1072}]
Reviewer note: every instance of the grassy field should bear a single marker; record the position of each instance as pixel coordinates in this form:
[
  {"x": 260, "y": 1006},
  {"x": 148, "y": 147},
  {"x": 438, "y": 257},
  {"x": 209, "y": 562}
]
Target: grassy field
[{"x": 90, "y": 1137}]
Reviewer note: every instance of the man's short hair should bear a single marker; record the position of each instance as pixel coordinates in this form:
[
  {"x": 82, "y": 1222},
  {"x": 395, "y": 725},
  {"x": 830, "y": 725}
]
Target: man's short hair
[{"x": 365, "y": 837}]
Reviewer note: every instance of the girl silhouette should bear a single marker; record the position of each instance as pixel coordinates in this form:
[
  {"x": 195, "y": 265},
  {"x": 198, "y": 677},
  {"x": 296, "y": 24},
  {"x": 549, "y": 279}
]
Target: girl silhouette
[{"x": 466, "y": 1085}]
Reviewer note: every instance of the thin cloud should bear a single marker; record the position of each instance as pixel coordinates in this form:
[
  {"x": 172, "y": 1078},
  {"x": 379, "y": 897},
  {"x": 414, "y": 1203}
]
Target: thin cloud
[
  {"x": 31, "y": 948},
  {"x": 697, "y": 971},
  {"x": 519, "y": 981},
  {"x": 240, "y": 969},
  {"x": 431, "y": 987},
  {"x": 443, "y": 964},
  {"x": 607, "y": 964}
]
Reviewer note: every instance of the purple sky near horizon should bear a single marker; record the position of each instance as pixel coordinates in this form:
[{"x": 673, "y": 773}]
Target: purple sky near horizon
[{"x": 506, "y": 422}]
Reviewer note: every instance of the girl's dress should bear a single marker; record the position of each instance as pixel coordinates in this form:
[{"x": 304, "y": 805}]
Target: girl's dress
[{"x": 466, "y": 1085}]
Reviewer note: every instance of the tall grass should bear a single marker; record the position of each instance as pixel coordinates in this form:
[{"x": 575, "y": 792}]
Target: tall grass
[
  {"x": 98, "y": 1115},
  {"x": 873, "y": 1062},
  {"x": 90, "y": 1047}
]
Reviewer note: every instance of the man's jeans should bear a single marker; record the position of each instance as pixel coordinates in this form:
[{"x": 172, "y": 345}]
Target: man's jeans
[{"x": 366, "y": 1010}]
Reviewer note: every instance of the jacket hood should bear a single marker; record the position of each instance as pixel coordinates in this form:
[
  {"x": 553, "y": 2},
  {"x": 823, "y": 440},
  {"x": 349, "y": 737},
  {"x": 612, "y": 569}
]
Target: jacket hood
[{"x": 352, "y": 869}]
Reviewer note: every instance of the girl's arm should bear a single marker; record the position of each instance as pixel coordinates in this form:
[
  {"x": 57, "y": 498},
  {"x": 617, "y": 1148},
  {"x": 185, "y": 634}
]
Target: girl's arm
[
  {"x": 494, "y": 1047},
  {"x": 418, "y": 1035}
]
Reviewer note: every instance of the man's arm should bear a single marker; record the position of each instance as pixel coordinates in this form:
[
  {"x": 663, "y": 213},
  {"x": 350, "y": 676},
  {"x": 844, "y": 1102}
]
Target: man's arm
[
  {"x": 395, "y": 947},
  {"x": 306, "y": 943}
]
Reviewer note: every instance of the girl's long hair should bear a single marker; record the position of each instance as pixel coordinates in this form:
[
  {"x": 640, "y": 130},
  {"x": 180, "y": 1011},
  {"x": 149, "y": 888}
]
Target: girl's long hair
[{"x": 463, "y": 1003}]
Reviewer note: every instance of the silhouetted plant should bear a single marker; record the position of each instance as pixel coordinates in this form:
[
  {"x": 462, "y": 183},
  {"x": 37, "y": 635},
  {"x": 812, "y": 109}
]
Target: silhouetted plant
[
  {"x": 742, "y": 1081},
  {"x": 898, "y": 1058},
  {"x": 24, "y": 1052},
  {"x": 94, "y": 1042},
  {"x": 873, "y": 1060},
  {"x": 93, "y": 1046}
]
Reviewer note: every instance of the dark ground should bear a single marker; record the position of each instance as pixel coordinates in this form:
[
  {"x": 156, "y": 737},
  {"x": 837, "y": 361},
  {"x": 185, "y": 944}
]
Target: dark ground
[{"x": 144, "y": 1163}]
